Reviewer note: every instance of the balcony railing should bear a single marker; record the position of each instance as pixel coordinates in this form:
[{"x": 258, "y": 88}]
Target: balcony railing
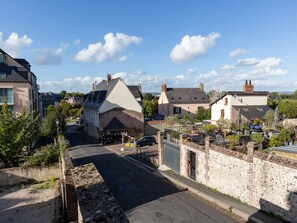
[{"x": 8, "y": 100}]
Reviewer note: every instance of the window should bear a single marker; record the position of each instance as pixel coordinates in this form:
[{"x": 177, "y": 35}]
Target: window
[
  {"x": 195, "y": 98},
  {"x": 176, "y": 110},
  {"x": 179, "y": 98},
  {"x": 222, "y": 113},
  {"x": 2, "y": 75},
  {"x": 226, "y": 101},
  {"x": 6, "y": 95},
  {"x": 2, "y": 58}
]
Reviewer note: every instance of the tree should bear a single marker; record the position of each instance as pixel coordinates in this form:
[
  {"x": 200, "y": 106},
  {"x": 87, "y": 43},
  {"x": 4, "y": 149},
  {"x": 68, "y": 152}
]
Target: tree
[
  {"x": 269, "y": 118},
  {"x": 48, "y": 125},
  {"x": 15, "y": 134},
  {"x": 288, "y": 108},
  {"x": 150, "y": 107},
  {"x": 202, "y": 114},
  {"x": 214, "y": 95},
  {"x": 63, "y": 93},
  {"x": 274, "y": 142},
  {"x": 171, "y": 120},
  {"x": 257, "y": 137},
  {"x": 284, "y": 135}
]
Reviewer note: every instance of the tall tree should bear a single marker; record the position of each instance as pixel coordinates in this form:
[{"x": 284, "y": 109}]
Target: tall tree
[{"x": 15, "y": 134}]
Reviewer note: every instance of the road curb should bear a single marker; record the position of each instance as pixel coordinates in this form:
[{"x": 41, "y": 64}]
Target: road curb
[{"x": 221, "y": 204}]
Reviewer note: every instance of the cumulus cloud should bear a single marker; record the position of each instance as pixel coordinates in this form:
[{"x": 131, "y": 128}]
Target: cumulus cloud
[
  {"x": 207, "y": 75},
  {"x": 122, "y": 58},
  {"x": 248, "y": 62},
  {"x": 192, "y": 70},
  {"x": 192, "y": 46},
  {"x": 82, "y": 84},
  {"x": 13, "y": 44},
  {"x": 237, "y": 52},
  {"x": 228, "y": 67},
  {"x": 269, "y": 62},
  {"x": 114, "y": 44}
]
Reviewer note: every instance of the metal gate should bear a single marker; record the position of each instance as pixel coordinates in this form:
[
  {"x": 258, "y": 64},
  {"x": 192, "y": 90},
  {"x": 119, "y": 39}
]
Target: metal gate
[{"x": 171, "y": 155}]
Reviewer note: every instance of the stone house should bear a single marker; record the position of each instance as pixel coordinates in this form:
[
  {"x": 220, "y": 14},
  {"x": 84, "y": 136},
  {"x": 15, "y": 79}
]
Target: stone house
[
  {"x": 112, "y": 108},
  {"x": 182, "y": 101},
  {"x": 18, "y": 85},
  {"x": 246, "y": 104},
  {"x": 75, "y": 100}
]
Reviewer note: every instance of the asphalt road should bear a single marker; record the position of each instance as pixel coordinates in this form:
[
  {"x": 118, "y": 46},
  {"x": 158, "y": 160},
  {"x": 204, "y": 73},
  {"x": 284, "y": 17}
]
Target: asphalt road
[{"x": 143, "y": 196}]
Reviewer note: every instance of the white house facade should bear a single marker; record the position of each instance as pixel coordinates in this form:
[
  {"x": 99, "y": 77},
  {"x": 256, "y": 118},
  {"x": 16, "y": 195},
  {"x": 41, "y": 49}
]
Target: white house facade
[{"x": 222, "y": 108}]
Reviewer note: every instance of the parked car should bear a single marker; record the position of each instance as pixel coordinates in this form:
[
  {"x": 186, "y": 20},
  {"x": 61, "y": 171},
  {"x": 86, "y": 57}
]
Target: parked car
[
  {"x": 107, "y": 139},
  {"x": 146, "y": 140},
  {"x": 146, "y": 119},
  {"x": 158, "y": 117}
]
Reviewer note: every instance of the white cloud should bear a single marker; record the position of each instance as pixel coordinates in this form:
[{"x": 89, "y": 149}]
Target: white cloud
[
  {"x": 237, "y": 52},
  {"x": 228, "y": 67},
  {"x": 261, "y": 73},
  {"x": 248, "y": 62},
  {"x": 192, "y": 46},
  {"x": 114, "y": 44},
  {"x": 81, "y": 84},
  {"x": 76, "y": 42},
  {"x": 122, "y": 58},
  {"x": 269, "y": 62},
  {"x": 13, "y": 44},
  {"x": 192, "y": 70},
  {"x": 207, "y": 75},
  {"x": 48, "y": 56}
]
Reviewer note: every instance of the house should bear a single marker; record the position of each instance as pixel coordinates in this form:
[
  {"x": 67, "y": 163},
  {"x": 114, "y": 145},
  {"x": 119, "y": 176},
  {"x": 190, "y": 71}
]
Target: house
[
  {"x": 182, "y": 101},
  {"x": 112, "y": 108},
  {"x": 245, "y": 105},
  {"x": 18, "y": 85},
  {"x": 49, "y": 98},
  {"x": 75, "y": 100}
]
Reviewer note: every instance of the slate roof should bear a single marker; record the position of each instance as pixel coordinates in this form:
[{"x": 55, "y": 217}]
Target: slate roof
[
  {"x": 95, "y": 99},
  {"x": 11, "y": 74},
  {"x": 241, "y": 93},
  {"x": 135, "y": 90},
  {"x": 253, "y": 111},
  {"x": 115, "y": 125},
  {"x": 186, "y": 95}
]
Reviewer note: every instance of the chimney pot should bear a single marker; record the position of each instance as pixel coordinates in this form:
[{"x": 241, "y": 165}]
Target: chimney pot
[
  {"x": 248, "y": 87},
  {"x": 201, "y": 86},
  {"x": 250, "y": 82},
  {"x": 108, "y": 78}
]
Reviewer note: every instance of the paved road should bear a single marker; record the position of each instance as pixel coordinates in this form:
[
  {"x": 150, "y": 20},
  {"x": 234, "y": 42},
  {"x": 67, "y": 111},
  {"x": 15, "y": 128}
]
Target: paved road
[{"x": 143, "y": 196}]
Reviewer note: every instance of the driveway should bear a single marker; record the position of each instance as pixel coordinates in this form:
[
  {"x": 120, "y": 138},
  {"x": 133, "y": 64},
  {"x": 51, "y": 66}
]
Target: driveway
[{"x": 143, "y": 196}]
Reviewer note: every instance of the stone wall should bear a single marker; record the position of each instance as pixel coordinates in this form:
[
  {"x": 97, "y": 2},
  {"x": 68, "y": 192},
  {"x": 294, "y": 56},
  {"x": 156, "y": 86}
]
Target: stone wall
[
  {"x": 17, "y": 175},
  {"x": 262, "y": 180},
  {"x": 96, "y": 202}
]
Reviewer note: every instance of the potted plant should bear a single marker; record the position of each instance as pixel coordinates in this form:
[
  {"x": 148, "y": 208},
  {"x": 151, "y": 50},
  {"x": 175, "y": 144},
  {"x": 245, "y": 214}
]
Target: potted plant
[{"x": 234, "y": 140}]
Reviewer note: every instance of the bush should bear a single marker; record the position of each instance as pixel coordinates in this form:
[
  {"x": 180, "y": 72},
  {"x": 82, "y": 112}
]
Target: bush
[
  {"x": 274, "y": 142},
  {"x": 234, "y": 140},
  {"x": 257, "y": 137},
  {"x": 46, "y": 156},
  {"x": 209, "y": 128}
]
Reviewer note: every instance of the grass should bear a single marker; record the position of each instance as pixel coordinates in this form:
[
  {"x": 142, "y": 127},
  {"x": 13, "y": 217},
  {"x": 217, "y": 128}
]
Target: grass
[{"x": 48, "y": 184}]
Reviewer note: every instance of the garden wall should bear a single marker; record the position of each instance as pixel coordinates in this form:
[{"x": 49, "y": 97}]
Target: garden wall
[
  {"x": 17, "y": 175},
  {"x": 262, "y": 180}
]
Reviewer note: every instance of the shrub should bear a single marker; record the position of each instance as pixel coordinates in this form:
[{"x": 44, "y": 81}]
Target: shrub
[
  {"x": 257, "y": 137},
  {"x": 234, "y": 140},
  {"x": 209, "y": 128},
  {"x": 46, "y": 156},
  {"x": 274, "y": 142},
  {"x": 284, "y": 135}
]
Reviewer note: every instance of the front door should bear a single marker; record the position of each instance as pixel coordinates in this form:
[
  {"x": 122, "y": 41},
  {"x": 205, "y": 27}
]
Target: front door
[{"x": 192, "y": 165}]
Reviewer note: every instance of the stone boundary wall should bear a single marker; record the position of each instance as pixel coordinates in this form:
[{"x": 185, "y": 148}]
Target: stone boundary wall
[
  {"x": 96, "y": 202},
  {"x": 17, "y": 175},
  {"x": 262, "y": 180}
]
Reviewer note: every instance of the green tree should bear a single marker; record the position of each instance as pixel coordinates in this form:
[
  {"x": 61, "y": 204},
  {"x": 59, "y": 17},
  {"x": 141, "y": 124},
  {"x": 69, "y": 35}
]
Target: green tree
[
  {"x": 48, "y": 126},
  {"x": 288, "y": 108},
  {"x": 269, "y": 118},
  {"x": 15, "y": 134},
  {"x": 171, "y": 120},
  {"x": 150, "y": 107},
  {"x": 202, "y": 114},
  {"x": 284, "y": 135},
  {"x": 148, "y": 96},
  {"x": 63, "y": 93},
  {"x": 64, "y": 107},
  {"x": 274, "y": 142}
]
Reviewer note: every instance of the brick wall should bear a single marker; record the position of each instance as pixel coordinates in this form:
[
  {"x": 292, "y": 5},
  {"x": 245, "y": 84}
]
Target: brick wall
[{"x": 262, "y": 180}]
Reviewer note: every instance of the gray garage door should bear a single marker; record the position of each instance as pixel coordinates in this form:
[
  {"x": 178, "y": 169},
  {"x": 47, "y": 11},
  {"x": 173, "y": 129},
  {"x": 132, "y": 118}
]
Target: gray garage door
[{"x": 171, "y": 155}]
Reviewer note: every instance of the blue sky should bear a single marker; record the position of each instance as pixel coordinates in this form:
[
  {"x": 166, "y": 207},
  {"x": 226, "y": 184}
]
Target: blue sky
[{"x": 70, "y": 44}]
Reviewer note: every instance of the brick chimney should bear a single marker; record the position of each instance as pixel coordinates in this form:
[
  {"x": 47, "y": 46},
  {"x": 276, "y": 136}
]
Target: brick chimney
[
  {"x": 201, "y": 86},
  {"x": 164, "y": 88},
  {"x": 248, "y": 87},
  {"x": 108, "y": 78}
]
